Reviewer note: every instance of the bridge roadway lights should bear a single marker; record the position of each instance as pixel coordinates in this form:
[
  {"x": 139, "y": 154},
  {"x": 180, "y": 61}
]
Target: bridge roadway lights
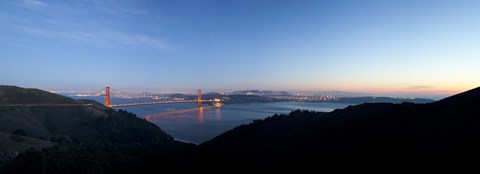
[{"x": 107, "y": 100}]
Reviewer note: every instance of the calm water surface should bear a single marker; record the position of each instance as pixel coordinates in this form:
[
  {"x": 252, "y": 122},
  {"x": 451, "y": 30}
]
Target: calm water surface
[{"x": 187, "y": 122}]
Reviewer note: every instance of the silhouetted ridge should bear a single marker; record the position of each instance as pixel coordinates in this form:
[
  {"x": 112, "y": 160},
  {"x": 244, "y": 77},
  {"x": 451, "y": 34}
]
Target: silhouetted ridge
[
  {"x": 17, "y": 95},
  {"x": 465, "y": 98},
  {"x": 79, "y": 138},
  {"x": 85, "y": 121},
  {"x": 371, "y": 133},
  {"x": 378, "y": 130}
]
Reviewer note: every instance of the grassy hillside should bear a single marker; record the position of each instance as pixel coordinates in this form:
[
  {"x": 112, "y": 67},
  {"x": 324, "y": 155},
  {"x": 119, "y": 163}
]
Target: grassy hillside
[
  {"x": 78, "y": 138},
  {"x": 92, "y": 123},
  {"x": 22, "y": 143},
  {"x": 369, "y": 134},
  {"x": 17, "y": 95}
]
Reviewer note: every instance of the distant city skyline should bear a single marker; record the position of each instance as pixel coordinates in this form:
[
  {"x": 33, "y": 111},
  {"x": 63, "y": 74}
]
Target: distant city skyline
[
  {"x": 389, "y": 48},
  {"x": 290, "y": 92}
]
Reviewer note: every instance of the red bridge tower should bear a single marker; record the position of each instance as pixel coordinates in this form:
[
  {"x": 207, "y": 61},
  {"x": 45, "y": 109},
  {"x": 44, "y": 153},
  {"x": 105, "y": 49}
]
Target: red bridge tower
[
  {"x": 107, "y": 96},
  {"x": 199, "y": 98}
]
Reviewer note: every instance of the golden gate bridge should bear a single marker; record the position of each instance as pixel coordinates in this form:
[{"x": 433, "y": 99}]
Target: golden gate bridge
[{"x": 198, "y": 100}]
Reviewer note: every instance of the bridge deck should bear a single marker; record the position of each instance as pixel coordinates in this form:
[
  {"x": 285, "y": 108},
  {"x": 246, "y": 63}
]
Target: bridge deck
[{"x": 157, "y": 103}]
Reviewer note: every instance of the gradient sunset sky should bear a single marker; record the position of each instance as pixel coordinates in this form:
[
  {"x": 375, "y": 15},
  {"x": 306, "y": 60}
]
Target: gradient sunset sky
[{"x": 388, "y": 47}]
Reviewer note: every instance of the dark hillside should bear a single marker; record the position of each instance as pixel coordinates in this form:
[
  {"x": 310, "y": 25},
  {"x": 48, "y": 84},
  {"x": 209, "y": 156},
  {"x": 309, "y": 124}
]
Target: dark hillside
[
  {"x": 371, "y": 133},
  {"x": 82, "y": 121},
  {"x": 448, "y": 127},
  {"x": 17, "y": 95}
]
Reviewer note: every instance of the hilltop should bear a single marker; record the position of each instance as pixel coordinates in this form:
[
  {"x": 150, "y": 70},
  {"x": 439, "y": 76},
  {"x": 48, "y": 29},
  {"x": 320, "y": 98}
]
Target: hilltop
[
  {"x": 385, "y": 130},
  {"x": 80, "y": 121},
  {"x": 17, "y": 95},
  {"x": 76, "y": 136},
  {"x": 363, "y": 134}
]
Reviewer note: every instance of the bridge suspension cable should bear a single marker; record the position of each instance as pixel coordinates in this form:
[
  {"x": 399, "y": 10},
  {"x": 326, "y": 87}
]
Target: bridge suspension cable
[{"x": 198, "y": 100}]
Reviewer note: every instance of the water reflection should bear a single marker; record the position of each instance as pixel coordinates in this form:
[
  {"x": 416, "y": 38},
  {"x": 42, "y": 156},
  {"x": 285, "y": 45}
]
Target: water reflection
[
  {"x": 200, "y": 115},
  {"x": 154, "y": 117},
  {"x": 183, "y": 120},
  {"x": 218, "y": 114},
  {"x": 193, "y": 124}
]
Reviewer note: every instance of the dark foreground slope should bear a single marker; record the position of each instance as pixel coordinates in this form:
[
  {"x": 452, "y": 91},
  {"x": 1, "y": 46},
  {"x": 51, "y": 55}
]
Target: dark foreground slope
[
  {"x": 357, "y": 134},
  {"x": 17, "y": 95},
  {"x": 447, "y": 127},
  {"x": 47, "y": 116},
  {"x": 50, "y": 117},
  {"x": 81, "y": 136}
]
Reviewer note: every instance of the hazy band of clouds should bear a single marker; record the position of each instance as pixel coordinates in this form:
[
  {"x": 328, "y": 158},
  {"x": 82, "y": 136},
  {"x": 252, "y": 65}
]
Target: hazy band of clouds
[
  {"x": 34, "y": 3},
  {"x": 55, "y": 27},
  {"x": 420, "y": 87},
  {"x": 20, "y": 46},
  {"x": 99, "y": 38}
]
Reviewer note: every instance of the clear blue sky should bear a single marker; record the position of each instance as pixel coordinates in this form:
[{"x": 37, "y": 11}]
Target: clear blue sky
[{"x": 387, "y": 47}]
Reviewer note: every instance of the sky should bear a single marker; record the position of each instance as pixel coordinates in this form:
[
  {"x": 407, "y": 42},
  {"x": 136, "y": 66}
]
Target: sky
[{"x": 405, "y": 47}]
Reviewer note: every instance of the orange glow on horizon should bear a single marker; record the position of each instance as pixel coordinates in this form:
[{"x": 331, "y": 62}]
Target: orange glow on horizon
[{"x": 394, "y": 89}]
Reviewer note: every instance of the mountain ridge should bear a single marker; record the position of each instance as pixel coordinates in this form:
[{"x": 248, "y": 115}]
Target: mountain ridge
[
  {"x": 85, "y": 120},
  {"x": 17, "y": 95},
  {"x": 464, "y": 98},
  {"x": 449, "y": 126},
  {"x": 369, "y": 133}
]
